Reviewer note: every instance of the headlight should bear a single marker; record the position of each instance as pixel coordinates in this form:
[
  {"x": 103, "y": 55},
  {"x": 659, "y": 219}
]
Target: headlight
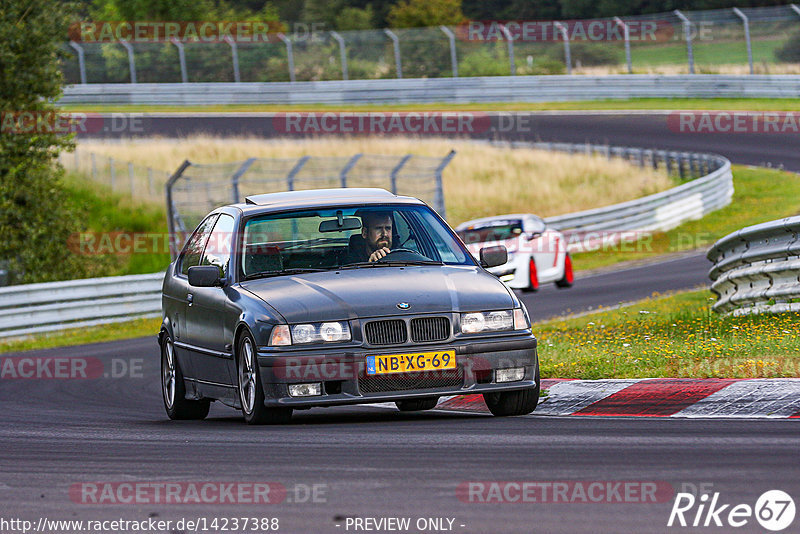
[
  {"x": 495, "y": 321},
  {"x": 331, "y": 332}
]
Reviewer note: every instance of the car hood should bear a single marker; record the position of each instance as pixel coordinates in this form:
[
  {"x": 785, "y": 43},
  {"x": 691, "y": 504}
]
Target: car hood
[{"x": 376, "y": 291}]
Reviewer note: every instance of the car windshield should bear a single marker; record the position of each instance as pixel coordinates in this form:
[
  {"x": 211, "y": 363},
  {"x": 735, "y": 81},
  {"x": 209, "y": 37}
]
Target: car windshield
[
  {"x": 311, "y": 240},
  {"x": 498, "y": 230}
]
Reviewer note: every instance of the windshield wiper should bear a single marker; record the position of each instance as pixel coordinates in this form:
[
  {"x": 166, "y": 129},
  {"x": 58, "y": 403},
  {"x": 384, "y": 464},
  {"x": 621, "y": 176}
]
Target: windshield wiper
[
  {"x": 391, "y": 263},
  {"x": 267, "y": 274}
]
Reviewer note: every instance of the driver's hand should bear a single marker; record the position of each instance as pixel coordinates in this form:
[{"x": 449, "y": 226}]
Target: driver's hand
[{"x": 378, "y": 254}]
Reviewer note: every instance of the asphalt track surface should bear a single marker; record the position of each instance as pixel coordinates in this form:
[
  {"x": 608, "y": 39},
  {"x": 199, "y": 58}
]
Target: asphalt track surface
[
  {"x": 371, "y": 461},
  {"x": 377, "y": 462}
]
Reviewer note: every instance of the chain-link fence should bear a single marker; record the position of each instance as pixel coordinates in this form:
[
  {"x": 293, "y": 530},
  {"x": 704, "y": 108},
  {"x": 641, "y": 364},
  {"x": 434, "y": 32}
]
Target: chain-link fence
[
  {"x": 764, "y": 40},
  {"x": 121, "y": 177},
  {"x": 195, "y": 189}
]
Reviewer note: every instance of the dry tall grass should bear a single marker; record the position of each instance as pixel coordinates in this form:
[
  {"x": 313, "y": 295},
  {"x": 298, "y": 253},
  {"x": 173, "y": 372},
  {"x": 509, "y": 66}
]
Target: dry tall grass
[{"x": 480, "y": 181}]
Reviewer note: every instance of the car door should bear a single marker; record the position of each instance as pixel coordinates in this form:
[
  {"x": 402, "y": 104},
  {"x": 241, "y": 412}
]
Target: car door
[
  {"x": 206, "y": 317},
  {"x": 179, "y": 290}
]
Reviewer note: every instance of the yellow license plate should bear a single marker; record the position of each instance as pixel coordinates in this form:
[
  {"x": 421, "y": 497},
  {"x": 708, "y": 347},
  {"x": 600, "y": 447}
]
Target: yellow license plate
[{"x": 411, "y": 363}]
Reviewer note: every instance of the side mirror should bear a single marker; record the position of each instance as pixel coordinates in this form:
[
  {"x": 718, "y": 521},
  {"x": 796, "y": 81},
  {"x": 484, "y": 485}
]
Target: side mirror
[
  {"x": 534, "y": 235},
  {"x": 493, "y": 256},
  {"x": 204, "y": 276}
]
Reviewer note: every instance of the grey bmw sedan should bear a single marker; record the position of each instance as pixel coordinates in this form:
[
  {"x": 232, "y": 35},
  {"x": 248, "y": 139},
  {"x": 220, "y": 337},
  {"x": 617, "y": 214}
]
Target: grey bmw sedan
[{"x": 338, "y": 296}]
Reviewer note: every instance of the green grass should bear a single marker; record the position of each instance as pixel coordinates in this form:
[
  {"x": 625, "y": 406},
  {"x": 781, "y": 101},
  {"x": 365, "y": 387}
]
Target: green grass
[
  {"x": 675, "y": 336},
  {"x": 732, "y": 104},
  {"x": 760, "y": 195},
  {"x": 110, "y": 214},
  {"x": 82, "y": 336},
  {"x": 706, "y": 55}
]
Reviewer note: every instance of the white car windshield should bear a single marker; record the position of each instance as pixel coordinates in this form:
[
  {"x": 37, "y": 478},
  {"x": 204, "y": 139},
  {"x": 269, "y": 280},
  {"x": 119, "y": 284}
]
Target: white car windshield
[
  {"x": 309, "y": 240},
  {"x": 498, "y": 230}
]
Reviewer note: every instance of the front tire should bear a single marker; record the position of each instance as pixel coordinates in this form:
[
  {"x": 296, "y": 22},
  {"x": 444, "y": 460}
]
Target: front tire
[
  {"x": 174, "y": 388},
  {"x": 417, "y": 405},
  {"x": 251, "y": 391},
  {"x": 509, "y": 403}
]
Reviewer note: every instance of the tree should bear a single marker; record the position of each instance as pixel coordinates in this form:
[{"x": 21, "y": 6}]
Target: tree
[
  {"x": 35, "y": 218},
  {"x": 423, "y": 13}
]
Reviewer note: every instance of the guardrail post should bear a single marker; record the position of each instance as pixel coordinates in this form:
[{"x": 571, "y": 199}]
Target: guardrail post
[
  {"x": 453, "y": 58},
  {"x": 347, "y": 168},
  {"x": 746, "y": 23},
  {"x": 510, "y": 40},
  {"x": 131, "y": 61},
  {"x": 181, "y": 59},
  {"x": 234, "y": 58},
  {"x": 567, "y": 55},
  {"x": 235, "y": 179},
  {"x": 296, "y": 169},
  {"x": 641, "y": 158},
  {"x": 172, "y": 216},
  {"x": 396, "y": 46},
  {"x": 81, "y": 61},
  {"x": 681, "y": 158},
  {"x": 289, "y": 55},
  {"x": 439, "y": 197},
  {"x": 687, "y": 32},
  {"x": 396, "y": 171},
  {"x": 112, "y": 172},
  {"x": 131, "y": 178},
  {"x": 342, "y": 53},
  {"x": 626, "y": 33}
]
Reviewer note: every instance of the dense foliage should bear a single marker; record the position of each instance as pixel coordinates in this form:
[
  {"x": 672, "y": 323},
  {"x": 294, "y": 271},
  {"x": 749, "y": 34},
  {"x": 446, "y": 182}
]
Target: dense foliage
[{"x": 35, "y": 218}]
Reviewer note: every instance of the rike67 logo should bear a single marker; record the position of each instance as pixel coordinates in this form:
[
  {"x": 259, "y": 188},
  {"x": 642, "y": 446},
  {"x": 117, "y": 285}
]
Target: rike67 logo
[{"x": 774, "y": 510}]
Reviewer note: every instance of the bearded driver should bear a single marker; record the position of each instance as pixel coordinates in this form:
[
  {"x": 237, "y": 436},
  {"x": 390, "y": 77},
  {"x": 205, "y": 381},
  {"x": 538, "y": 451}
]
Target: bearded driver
[{"x": 376, "y": 229}]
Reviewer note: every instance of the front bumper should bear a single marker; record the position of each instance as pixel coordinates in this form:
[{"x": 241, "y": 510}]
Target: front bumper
[{"x": 343, "y": 372}]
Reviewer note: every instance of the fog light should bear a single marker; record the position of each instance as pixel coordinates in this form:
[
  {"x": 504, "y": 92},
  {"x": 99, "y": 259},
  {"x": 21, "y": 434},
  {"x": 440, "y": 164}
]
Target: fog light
[
  {"x": 305, "y": 390},
  {"x": 514, "y": 374}
]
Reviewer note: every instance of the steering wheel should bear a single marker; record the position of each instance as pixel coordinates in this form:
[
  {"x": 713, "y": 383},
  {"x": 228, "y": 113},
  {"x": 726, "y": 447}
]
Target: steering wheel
[{"x": 404, "y": 254}]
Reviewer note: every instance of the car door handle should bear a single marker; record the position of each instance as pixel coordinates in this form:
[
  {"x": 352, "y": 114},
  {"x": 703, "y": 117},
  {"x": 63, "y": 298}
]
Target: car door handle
[{"x": 190, "y": 298}]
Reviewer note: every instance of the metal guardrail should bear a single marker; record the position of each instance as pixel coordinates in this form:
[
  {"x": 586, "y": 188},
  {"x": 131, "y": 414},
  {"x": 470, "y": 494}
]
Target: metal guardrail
[
  {"x": 757, "y": 269},
  {"x": 36, "y": 308},
  {"x": 658, "y": 212},
  {"x": 434, "y": 90}
]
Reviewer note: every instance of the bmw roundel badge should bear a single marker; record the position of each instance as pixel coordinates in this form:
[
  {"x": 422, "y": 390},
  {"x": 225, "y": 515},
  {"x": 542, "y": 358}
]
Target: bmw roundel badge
[{"x": 403, "y": 305}]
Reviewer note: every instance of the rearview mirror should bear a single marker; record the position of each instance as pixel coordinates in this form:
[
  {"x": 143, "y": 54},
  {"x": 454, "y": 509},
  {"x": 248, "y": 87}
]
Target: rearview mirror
[
  {"x": 204, "y": 276},
  {"x": 493, "y": 256},
  {"x": 336, "y": 225}
]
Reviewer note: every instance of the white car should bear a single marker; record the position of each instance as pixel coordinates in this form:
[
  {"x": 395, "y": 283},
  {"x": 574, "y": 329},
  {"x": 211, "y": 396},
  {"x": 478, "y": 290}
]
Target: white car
[{"x": 536, "y": 254}]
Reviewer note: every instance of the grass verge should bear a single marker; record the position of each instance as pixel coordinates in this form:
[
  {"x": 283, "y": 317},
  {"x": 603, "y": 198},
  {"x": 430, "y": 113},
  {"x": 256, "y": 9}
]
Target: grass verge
[
  {"x": 710, "y": 104},
  {"x": 105, "y": 217},
  {"x": 675, "y": 336},
  {"x": 83, "y": 336},
  {"x": 760, "y": 195}
]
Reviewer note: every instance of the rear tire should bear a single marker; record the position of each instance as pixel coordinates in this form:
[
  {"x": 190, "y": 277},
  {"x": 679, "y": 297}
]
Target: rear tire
[
  {"x": 417, "y": 405},
  {"x": 509, "y": 403},
  {"x": 173, "y": 387},
  {"x": 569, "y": 277},
  {"x": 251, "y": 391},
  {"x": 533, "y": 277}
]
